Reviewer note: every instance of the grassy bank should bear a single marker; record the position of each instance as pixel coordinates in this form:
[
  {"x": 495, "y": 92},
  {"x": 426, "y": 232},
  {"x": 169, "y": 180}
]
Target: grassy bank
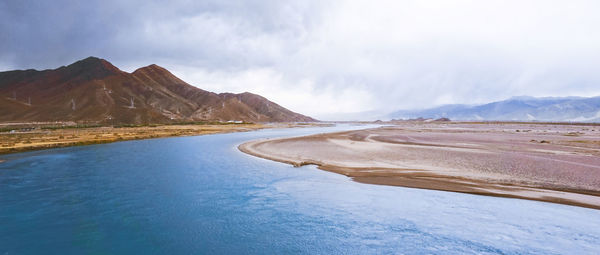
[{"x": 26, "y": 138}]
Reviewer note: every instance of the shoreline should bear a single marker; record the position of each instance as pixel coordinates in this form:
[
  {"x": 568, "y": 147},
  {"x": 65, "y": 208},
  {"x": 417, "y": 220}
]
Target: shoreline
[
  {"x": 69, "y": 136},
  {"x": 72, "y": 137},
  {"x": 334, "y": 156}
]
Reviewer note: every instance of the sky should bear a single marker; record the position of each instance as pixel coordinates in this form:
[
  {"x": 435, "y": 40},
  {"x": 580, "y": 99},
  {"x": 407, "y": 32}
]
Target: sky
[{"x": 340, "y": 59}]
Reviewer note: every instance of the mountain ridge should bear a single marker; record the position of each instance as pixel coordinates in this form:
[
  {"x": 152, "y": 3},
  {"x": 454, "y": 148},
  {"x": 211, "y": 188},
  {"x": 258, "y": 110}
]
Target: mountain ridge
[
  {"x": 94, "y": 90},
  {"x": 519, "y": 108}
]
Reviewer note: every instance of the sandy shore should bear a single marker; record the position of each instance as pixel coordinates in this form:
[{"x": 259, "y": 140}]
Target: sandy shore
[{"x": 544, "y": 162}]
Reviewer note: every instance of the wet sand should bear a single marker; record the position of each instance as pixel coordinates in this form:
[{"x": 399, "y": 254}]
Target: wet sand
[{"x": 544, "y": 162}]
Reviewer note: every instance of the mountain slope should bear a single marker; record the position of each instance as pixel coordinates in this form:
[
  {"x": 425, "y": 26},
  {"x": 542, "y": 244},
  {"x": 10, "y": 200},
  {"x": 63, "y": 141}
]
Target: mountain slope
[
  {"x": 517, "y": 108},
  {"x": 93, "y": 90}
]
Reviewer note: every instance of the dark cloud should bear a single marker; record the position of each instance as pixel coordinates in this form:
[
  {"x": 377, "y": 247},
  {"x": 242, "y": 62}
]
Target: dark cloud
[
  {"x": 321, "y": 57},
  {"x": 211, "y": 34}
]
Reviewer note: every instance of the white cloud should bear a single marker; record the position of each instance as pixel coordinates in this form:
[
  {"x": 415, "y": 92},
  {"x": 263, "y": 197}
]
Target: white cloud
[
  {"x": 385, "y": 55},
  {"x": 297, "y": 95}
]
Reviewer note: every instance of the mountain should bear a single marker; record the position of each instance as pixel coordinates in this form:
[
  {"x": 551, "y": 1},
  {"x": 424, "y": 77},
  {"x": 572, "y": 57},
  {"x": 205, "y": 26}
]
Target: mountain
[
  {"x": 523, "y": 108},
  {"x": 93, "y": 90}
]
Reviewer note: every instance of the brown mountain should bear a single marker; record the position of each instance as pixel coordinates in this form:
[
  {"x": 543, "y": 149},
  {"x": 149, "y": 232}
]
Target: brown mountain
[{"x": 93, "y": 90}]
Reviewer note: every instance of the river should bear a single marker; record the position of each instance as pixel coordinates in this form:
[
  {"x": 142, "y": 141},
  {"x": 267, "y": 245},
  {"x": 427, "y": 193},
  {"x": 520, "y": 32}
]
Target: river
[{"x": 200, "y": 195}]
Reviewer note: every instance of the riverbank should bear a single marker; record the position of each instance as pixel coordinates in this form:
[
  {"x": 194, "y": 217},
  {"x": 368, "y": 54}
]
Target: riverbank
[
  {"x": 28, "y": 139},
  {"x": 544, "y": 162}
]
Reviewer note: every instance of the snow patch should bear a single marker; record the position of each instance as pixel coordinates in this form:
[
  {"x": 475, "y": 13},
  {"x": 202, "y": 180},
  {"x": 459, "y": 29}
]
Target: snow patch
[{"x": 582, "y": 118}]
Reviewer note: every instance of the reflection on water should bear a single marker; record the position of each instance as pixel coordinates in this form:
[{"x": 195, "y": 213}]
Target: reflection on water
[{"x": 201, "y": 195}]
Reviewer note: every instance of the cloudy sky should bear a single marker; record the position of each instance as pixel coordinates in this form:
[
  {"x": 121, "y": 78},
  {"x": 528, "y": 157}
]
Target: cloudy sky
[{"x": 327, "y": 59}]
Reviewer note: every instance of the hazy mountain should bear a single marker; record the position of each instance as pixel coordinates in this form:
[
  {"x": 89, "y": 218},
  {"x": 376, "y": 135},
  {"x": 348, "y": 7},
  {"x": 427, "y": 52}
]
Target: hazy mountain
[
  {"x": 578, "y": 109},
  {"x": 94, "y": 90}
]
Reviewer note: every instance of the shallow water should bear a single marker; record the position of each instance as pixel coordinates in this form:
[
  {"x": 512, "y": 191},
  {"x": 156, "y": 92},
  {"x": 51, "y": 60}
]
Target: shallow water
[{"x": 195, "y": 195}]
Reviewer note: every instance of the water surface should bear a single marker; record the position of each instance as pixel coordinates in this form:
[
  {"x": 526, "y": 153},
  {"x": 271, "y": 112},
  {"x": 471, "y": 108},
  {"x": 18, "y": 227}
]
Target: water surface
[{"x": 200, "y": 195}]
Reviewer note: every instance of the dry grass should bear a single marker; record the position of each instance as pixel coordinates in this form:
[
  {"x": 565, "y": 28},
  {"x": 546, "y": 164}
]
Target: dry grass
[{"x": 44, "y": 139}]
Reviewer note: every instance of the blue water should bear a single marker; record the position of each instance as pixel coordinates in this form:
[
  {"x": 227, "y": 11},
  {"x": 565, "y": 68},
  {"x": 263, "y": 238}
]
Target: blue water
[{"x": 200, "y": 195}]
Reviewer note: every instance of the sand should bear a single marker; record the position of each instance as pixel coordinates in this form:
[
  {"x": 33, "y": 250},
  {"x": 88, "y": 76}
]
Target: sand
[{"x": 544, "y": 162}]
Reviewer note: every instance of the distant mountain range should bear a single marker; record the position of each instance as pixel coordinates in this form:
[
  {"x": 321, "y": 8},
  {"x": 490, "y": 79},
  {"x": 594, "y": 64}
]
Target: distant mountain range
[
  {"x": 93, "y": 90},
  {"x": 523, "y": 108}
]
